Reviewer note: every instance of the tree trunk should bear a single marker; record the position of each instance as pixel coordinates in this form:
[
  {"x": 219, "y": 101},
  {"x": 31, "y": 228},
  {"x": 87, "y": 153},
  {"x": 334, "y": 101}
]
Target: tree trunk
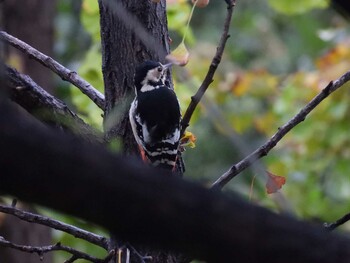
[
  {"x": 31, "y": 21},
  {"x": 131, "y": 31}
]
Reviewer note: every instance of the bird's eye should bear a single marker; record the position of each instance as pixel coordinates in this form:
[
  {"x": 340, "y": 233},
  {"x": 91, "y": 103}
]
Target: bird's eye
[{"x": 160, "y": 69}]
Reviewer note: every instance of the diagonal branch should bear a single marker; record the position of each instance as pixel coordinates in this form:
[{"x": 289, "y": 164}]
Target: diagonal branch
[
  {"x": 66, "y": 74},
  {"x": 339, "y": 222},
  {"x": 282, "y": 131},
  {"x": 25, "y": 92},
  {"x": 41, "y": 250},
  {"x": 213, "y": 66},
  {"x": 43, "y": 220}
]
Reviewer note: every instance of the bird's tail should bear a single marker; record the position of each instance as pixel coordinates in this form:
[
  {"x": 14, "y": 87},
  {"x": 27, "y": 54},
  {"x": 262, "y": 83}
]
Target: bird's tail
[{"x": 162, "y": 155}]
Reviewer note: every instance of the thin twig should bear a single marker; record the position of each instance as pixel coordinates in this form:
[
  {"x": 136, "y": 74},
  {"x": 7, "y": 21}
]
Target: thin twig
[
  {"x": 211, "y": 71},
  {"x": 41, "y": 250},
  {"x": 66, "y": 74},
  {"x": 282, "y": 131},
  {"x": 339, "y": 222},
  {"x": 43, "y": 220}
]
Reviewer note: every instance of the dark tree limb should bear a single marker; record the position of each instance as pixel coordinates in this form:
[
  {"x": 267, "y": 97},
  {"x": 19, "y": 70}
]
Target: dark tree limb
[
  {"x": 64, "y": 73},
  {"x": 148, "y": 206},
  {"x": 212, "y": 68},
  {"x": 46, "y": 221},
  {"x": 282, "y": 131},
  {"x": 339, "y": 222},
  {"x": 45, "y": 249},
  {"x": 25, "y": 92}
]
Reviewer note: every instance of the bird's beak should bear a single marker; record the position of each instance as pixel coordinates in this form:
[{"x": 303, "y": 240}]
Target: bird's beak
[{"x": 167, "y": 65}]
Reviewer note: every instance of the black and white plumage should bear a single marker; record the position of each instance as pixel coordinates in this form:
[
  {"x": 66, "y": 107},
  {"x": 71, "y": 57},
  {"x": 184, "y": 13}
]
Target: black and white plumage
[{"x": 155, "y": 115}]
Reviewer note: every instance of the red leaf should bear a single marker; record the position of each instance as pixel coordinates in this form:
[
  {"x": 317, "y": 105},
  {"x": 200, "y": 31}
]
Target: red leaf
[{"x": 274, "y": 182}]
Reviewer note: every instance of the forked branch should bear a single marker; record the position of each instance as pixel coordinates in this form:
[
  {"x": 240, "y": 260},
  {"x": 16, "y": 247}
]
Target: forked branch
[
  {"x": 41, "y": 250},
  {"x": 66, "y": 74},
  {"x": 55, "y": 224}
]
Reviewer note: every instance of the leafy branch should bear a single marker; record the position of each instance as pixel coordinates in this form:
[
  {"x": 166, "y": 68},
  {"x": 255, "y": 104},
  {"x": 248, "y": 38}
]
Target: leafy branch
[
  {"x": 66, "y": 74},
  {"x": 264, "y": 149},
  {"x": 212, "y": 68}
]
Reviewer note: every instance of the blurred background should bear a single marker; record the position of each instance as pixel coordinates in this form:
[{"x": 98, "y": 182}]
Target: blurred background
[{"x": 279, "y": 56}]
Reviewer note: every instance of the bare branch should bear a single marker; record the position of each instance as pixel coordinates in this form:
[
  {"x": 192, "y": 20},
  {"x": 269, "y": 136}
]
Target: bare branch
[
  {"x": 282, "y": 131},
  {"x": 43, "y": 220},
  {"x": 339, "y": 222},
  {"x": 213, "y": 66},
  {"x": 25, "y": 92},
  {"x": 66, "y": 74},
  {"x": 45, "y": 249}
]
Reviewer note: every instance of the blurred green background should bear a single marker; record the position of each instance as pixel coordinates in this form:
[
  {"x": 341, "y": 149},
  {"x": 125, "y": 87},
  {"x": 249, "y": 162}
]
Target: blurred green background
[{"x": 279, "y": 56}]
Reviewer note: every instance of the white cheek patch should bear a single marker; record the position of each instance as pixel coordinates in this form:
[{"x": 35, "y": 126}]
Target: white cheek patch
[{"x": 152, "y": 75}]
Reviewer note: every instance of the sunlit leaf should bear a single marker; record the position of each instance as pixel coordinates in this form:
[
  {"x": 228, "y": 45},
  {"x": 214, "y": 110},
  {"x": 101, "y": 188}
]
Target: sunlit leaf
[
  {"x": 188, "y": 140},
  {"x": 334, "y": 56},
  {"x": 179, "y": 55},
  {"x": 274, "y": 182}
]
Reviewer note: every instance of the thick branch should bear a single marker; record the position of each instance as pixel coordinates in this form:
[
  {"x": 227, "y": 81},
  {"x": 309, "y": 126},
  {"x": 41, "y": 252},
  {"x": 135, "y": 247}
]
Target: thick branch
[
  {"x": 213, "y": 66},
  {"x": 43, "y": 220},
  {"x": 25, "y": 92},
  {"x": 282, "y": 131},
  {"x": 149, "y": 206},
  {"x": 45, "y": 249},
  {"x": 66, "y": 74}
]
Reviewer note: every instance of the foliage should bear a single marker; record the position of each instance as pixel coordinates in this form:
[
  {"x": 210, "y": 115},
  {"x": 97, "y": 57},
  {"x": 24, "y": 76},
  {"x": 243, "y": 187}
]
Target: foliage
[{"x": 273, "y": 65}]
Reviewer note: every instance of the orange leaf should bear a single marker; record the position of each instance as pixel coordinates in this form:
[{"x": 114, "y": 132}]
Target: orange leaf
[{"x": 274, "y": 182}]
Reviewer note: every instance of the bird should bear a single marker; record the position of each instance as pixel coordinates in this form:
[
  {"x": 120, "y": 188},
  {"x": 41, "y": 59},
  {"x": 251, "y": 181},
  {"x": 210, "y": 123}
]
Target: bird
[{"x": 155, "y": 115}]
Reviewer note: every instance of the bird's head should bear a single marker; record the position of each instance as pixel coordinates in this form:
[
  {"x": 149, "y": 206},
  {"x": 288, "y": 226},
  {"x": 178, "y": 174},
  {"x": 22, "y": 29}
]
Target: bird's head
[{"x": 150, "y": 73}]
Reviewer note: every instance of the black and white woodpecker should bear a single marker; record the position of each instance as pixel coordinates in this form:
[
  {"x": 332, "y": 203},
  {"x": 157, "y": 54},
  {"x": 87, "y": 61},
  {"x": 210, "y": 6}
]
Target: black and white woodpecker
[{"x": 155, "y": 115}]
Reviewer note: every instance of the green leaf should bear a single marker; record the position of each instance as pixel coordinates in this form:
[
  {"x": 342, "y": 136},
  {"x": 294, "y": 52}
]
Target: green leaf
[
  {"x": 90, "y": 18},
  {"x": 289, "y": 7}
]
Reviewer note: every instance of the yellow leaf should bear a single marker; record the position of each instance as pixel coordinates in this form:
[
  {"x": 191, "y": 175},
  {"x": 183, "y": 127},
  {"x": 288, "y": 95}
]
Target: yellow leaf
[
  {"x": 179, "y": 55},
  {"x": 188, "y": 139}
]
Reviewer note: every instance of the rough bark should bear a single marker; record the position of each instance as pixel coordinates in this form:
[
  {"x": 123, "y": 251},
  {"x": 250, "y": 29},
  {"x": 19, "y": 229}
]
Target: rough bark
[
  {"x": 131, "y": 31},
  {"x": 145, "y": 206}
]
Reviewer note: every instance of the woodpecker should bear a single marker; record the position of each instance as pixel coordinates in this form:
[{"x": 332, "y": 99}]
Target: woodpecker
[{"x": 155, "y": 115}]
